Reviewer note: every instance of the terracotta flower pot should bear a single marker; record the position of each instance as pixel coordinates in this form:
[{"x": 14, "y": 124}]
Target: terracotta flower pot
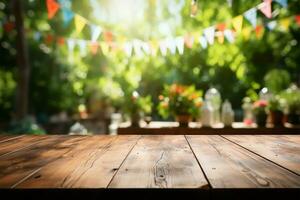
[
  {"x": 183, "y": 120},
  {"x": 277, "y": 118}
]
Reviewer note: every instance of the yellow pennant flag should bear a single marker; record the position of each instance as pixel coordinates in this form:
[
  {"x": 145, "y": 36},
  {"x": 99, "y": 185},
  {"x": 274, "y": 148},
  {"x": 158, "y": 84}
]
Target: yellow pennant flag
[
  {"x": 220, "y": 36},
  {"x": 80, "y": 22},
  {"x": 247, "y": 32},
  {"x": 104, "y": 48},
  {"x": 285, "y": 23},
  {"x": 154, "y": 47},
  {"x": 237, "y": 23}
]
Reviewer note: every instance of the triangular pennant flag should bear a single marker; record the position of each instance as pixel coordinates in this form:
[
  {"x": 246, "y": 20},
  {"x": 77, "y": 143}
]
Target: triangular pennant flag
[
  {"x": 95, "y": 32},
  {"x": 154, "y": 47},
  {"x": 189, "y": 41},
  {"x": 146, "y": 48},
  {"x": 60, "y": 41},
  {"x": 237, "y": 23},
  {"x": 137, "y": 47},
  {"x": 220, "y": 36},
  {"x": 104, "y": 48},
  {"x": 180, "y": 45},
  {"x": 266, "y": 8},
  {"x": 171, "y": 45},
  {"x": 230, "y": 2},
  {"x": 229, "y": 35},
  {"x": 94, "y": 47},
  {"x": 221, "y": 27},
  {"x": 285, "y": 23},
  {"x": 52, "y": 7},
  {"x": 49, "y": 39},
  {"x": 163, "y": 48},
  {"x": 82, "y": 46},
  {"x": 108, "y": 36},
  {"x": 272, "y": 25},
  {"x": 203, "y": 42},
  {"x": 128, "y": 48},
  {"x": 259, "y": 31},
  {"x": 71, "y": 45},
  {"x": 68, "y": 15},
  {"x": 80, "y": 22},
  {"x": 37, "y": 36},
  {"x": 283, "y": 3},
  {"x": 65, "y": 3},
  {"x": 297, "y": 18},
  {"x": 209, "y": 34},
  {"x": 247, "y": 32},
  {"x": 251, "y": 15}
]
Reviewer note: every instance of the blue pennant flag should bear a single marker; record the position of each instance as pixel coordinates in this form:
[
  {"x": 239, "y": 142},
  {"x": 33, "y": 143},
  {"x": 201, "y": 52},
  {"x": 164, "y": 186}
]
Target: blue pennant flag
[
  {"x": 283, "y": 3},
  {"x": 68, "y": 15},
  {"x": 65, "y": 3},
  {"x": 251, "y": 15},
  {"x": 203, "y": 42},
  {"x": 272, "y": 25}
]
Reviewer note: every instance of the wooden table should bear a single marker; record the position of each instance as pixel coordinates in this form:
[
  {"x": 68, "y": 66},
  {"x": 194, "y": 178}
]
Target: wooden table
[
  {"x": 238, "y": 128},
  {"x": 206, "y": 166}
]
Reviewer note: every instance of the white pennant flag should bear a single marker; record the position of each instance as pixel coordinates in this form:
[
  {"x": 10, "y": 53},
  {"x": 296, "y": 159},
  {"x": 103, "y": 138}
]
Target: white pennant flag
[
  {"x": 82, "y": 45},
  {"x": 163, "y": 48},
  {"x": 128, "y": 48},
  {"x": 229, "y": 35},
  {"x": 146, "y": 48},
  {"x": 137, "y": 48},
  {"x": 171, "y": 45},
  {"x": 71, "y": 45},
  {"x": 203, "y": 42},
  {"x": 209, "y": 34},
  {"x": 180, "y": 44},
  {"x": 95, "y": 32}
]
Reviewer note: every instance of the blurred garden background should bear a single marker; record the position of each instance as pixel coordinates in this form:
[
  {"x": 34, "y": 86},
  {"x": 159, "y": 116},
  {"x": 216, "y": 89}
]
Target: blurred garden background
[{"x": 68, "y": 61}]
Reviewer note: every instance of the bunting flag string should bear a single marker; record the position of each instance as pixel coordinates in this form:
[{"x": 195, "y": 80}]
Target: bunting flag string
[{"x": 172, "y": 44}]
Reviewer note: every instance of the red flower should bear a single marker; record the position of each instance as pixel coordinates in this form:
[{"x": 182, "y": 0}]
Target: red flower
[{"x": 260, "y": 103}]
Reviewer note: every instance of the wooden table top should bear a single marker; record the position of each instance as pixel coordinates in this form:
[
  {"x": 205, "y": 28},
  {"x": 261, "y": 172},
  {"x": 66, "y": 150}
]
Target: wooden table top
[{"x": 134, "y": 161}]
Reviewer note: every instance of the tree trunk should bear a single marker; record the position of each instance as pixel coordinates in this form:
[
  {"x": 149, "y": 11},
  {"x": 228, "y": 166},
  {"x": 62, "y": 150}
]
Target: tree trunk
[{"x": 22, "y": 61}]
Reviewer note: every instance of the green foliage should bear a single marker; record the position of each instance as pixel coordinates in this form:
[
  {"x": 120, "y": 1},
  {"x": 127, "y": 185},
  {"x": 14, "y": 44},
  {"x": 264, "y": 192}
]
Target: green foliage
[
  {"x": 292, "y": 98},
  {"x": 26, "y": 126},
  {"x": 277, "y": 80},
  {"x": 277, "y": 104},
  {"x": 136, "y": 104}
]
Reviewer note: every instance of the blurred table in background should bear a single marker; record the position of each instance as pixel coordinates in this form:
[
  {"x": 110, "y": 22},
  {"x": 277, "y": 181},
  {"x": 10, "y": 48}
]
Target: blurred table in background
[{"x": 195, "y": 128}]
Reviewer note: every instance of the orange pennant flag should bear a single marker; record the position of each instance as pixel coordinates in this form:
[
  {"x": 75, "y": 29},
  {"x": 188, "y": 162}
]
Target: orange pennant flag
[
  {"x": 52, "y": 7},
  {"x": 60, "y": 41},
  {"x": 237, "y": 23},
  {"x": 221, "y": 27},
  {"x": 94, "y": 47},
  {"x": 297, "y": 17},
  {"x": 259, "y": 31}
]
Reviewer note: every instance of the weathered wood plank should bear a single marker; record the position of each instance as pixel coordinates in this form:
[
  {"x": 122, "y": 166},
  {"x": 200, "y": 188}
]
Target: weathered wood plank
[
  {"x": 279, "y": 149},
  {"x": 18, "y": 165},
  {"x": 5, "y": 138},
  {"x": 160, "y": 162},
  {"x": 91, "y": 164},
  {"x": 227, "y": 165},
  {"x": 19, "y": 143}
]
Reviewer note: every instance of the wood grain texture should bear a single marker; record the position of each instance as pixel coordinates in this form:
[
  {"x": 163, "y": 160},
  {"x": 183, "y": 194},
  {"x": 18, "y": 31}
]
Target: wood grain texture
[
  {"x": 92, "y": 164},
  {"x": 227, "y": 165},
  {"x": 16, "y": 166},
  {"x": 5, "y": 138},
  {"x": 160, "y": 162},
  {"x": 15, "y": 144},
  {"x": 284, "y": 150}
]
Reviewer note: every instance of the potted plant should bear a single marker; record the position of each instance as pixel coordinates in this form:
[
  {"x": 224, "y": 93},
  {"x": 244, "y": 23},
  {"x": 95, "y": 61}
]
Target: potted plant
[
  {"x": 276, "y": 108},
  {"x": 292, "y": 97},
  {"x": 136, "y": 106},
  {"x": 259, "y": 110},
  {"x": 181, "y": 102}
]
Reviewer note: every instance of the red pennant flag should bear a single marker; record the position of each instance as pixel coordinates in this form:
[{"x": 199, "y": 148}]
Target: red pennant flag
[
  {"x": 297, "y": 17},
  {"x": 221, "y": 27},
  {"x": 8, "y": 27},
  {"x": 60, "y": 41},
  {"x": 52, "y": 7},
  {"x": 94, "y": 47},
  {"x": 266, "y": 8},
  {"x": 49, "y": 39}
]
